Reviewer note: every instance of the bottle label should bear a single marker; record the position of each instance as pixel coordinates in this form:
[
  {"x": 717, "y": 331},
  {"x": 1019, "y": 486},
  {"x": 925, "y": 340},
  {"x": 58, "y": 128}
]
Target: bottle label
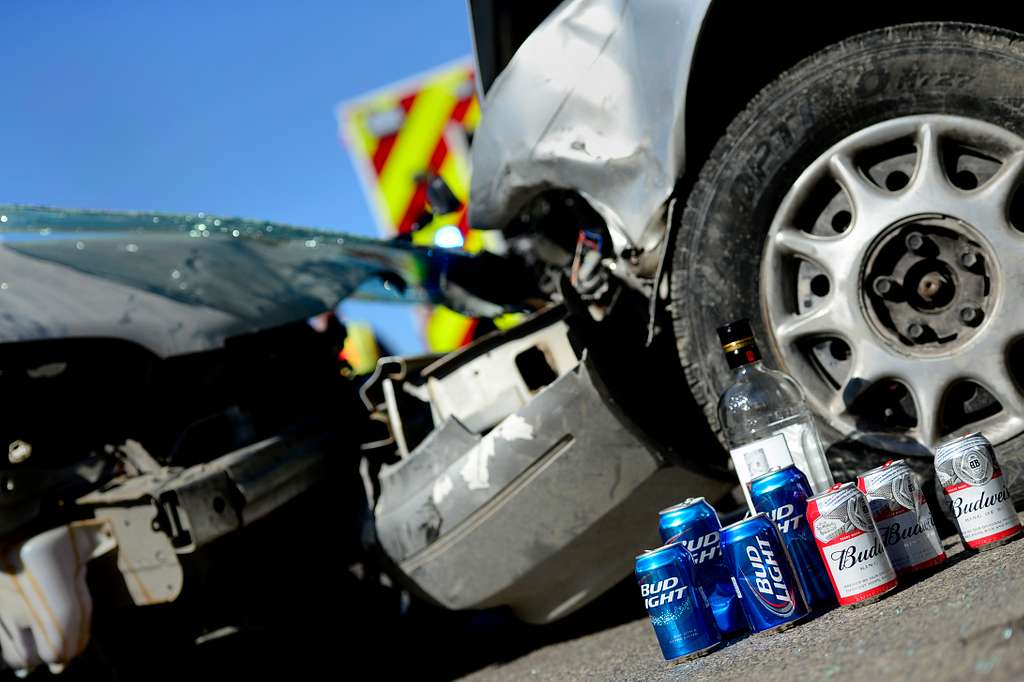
[{"x": 753, "y": 459}]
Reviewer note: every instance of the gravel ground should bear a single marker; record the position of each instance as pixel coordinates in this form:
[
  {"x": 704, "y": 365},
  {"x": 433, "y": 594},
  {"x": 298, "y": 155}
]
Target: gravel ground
[{"x": 965, "y": 622}]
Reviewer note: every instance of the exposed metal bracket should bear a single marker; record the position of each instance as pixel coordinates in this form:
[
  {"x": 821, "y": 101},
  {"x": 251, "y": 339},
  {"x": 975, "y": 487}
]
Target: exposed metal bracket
[
  {"x": 145, "y": 556},
  {"x": 197, "y": 505}
]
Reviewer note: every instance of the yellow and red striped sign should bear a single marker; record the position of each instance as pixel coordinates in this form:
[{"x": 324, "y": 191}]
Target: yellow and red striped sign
[{"x": 398, "y": 137}]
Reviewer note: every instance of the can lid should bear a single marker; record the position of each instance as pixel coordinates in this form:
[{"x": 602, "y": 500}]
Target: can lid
[
  {"x": 771, "y": 471},
  {"x": 688, "y": 502},
  {"x": 649, "y": 552},
  {"x": 956, "y": 439},
  {"x": 834, "y": 489},
  {"x": 746, "y": 519},
  {"x": 888, "y": 465}
]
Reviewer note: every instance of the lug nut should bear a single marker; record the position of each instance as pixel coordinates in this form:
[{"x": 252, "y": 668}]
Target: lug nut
[
  {"x": 968, "y": 259},
  {"x": 915, "y": 331},
  {"x": 883, "y": 286},
  {"x": 971, "y": 316},
  {"x": 914, "y": 241}
]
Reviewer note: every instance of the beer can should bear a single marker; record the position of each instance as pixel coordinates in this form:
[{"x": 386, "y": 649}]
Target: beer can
[
  {"x": 978, "y": 497},
  {"x": 695, "y": 524},
  {"x": 782, "y": 493},
  {"x": 857, "y": 565},
  {"x": 901, "y": 515},
  {"x": 762, "y": 574},
  {"x": 679, "y": 611}
]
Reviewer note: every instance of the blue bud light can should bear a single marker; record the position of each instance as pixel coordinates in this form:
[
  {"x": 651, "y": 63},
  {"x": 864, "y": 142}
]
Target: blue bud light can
[
  {"x": 762, "y": 574},
  {"x": 679, "y": 611},
  {"x": 782, "y": 494},
  {"x": 695, "y": 523}
]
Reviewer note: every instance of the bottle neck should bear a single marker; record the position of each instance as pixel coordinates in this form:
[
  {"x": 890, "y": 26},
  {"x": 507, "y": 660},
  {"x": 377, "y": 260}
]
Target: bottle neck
[{"x": 742, "y": 355}]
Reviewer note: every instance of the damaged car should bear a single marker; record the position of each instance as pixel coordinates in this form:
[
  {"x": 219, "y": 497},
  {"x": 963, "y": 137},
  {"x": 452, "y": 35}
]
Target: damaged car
[
  {"x": 654, "y": 169},
  {"x": 663, "y": 168},
  {"x": 184, "y": 438}
]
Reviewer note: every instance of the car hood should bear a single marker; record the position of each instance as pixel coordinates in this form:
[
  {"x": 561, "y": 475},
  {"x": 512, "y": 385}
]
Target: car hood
[{"x": 184, "y": 283}]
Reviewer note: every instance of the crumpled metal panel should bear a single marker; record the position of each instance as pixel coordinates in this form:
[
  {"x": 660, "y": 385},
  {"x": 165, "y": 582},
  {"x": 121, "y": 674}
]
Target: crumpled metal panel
[
  {"x": 184, "y": 283},
  {"x": 541, "y": 514},
  {"x": 592, "y": 101}
]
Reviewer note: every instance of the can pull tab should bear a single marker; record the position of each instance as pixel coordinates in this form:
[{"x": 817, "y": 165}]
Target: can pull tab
[{"x": 757, "y": 462}]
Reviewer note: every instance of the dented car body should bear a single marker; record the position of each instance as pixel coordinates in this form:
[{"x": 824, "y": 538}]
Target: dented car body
[
  {"x": 536, "y": 499},
  {"x": 165, "y": 397}
]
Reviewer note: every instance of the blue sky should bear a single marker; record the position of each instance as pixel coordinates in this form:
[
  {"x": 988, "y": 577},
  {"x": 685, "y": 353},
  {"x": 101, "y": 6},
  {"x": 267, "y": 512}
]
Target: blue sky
[{"x": 225, "y": 107}]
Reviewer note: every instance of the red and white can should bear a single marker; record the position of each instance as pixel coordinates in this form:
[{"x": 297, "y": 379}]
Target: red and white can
[
  {"x": 856, "y": 561},
  {"x": 901, "y": 515},
  {"x": 969, "y": 473}
]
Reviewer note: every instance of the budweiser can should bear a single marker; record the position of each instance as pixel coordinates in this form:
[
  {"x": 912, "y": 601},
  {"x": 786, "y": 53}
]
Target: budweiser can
[
  {"x": 856, "y": 562},
  {"x": 969, "y": 473},
  {"x": 901, "y": 515}
]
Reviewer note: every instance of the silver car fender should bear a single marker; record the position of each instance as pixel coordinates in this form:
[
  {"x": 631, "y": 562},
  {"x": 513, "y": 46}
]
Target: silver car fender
[{"x": 594, "y": 101}]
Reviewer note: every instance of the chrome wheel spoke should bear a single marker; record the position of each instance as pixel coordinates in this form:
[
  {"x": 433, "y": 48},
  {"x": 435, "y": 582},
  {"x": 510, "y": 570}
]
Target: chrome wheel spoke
[
  {"x": 994, "y": 376},
  {"x": 991, "y": 206},
  {"x": 929, "y": 176},
  {"x": 929, "y": 391},
  {"x": 830, "y": 253},
  {"x": 1000, "y": 188},
  {"x": 819, "y": 322},
  {"x": 870, "y": 364},
  {"x": 862, "y": 192}
]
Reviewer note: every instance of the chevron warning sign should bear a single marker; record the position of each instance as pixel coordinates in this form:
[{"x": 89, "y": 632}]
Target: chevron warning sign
[{"x": 398, "y": 137}]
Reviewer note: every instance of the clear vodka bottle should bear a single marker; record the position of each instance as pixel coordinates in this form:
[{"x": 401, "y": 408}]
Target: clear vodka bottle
[{"x": 764, "y": 416}]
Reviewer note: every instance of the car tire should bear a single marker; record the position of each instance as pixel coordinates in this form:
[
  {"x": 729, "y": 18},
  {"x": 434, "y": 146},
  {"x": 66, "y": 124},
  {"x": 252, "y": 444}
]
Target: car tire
[{"x": 930, "y": 68}]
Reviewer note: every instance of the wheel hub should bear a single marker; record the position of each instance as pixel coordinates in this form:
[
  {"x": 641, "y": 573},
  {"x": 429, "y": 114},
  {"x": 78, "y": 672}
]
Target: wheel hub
[
  {"x": 926, "y": 284},
  {"x": 890, "y": 282}
]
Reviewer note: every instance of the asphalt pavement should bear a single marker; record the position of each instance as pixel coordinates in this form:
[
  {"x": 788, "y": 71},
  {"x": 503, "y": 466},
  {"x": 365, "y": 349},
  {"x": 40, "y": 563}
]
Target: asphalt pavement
[{"x": 964, "y": 622}]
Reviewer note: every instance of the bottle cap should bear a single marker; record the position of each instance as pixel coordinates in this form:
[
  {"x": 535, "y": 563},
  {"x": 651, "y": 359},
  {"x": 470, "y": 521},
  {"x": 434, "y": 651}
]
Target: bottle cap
[
  {"x": 735, "y": 335},
  {"x": 738, "y": 343}
]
